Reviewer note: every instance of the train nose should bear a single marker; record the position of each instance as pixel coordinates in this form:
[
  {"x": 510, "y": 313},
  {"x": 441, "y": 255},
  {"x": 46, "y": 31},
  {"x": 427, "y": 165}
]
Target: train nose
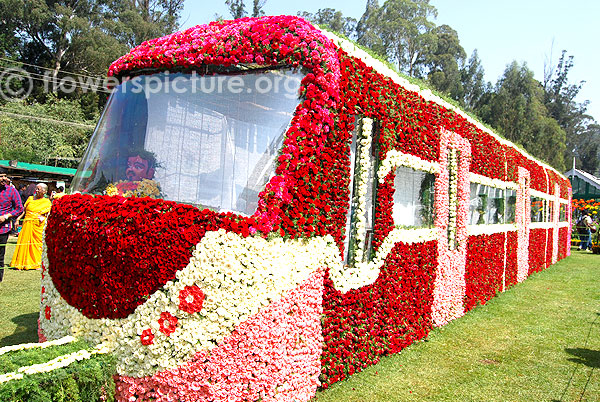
[{"x": 108, "y": 254}]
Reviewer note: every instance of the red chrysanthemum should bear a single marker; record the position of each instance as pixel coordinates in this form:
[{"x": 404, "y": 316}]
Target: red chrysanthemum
[
  {"x": 48, "y": 312},
  {"x": 191, "y": 299}
]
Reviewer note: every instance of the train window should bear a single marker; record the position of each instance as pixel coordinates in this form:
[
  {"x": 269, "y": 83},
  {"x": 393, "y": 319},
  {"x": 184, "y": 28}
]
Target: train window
[
  {"x": 562, "y": 212},
  {"x": 206, "y": 140},
  {"x": 487, "y": 205},
  {"x": 538, "y": 208},
  {"x": 510, "y": 205},
  {"x": 549, "y": 211},
  {"x": 351, "y": 214},
  {"x": 414, "y": 192}
]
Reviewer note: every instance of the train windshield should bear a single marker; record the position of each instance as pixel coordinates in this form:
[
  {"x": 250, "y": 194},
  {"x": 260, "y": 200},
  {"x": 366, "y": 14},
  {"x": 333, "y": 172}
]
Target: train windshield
[{"x": 206, "y": 140}]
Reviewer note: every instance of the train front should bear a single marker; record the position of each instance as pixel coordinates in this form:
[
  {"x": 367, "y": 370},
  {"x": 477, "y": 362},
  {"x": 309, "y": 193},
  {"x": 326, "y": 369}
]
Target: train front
[{"x": 189, "y": 244}]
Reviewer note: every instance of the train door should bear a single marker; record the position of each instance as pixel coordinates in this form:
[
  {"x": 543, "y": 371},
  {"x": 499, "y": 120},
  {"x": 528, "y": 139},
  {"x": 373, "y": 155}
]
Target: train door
[{"x": 452, "y": 192}]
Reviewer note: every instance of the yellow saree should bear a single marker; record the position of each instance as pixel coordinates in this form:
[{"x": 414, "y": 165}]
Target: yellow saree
[{"x": 28, "y": 254}]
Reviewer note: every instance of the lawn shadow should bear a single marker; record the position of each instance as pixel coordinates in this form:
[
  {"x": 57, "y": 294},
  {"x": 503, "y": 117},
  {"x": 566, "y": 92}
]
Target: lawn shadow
[
  {"x": 588, "y": 357},
  {"x": 25, "y": 332}
]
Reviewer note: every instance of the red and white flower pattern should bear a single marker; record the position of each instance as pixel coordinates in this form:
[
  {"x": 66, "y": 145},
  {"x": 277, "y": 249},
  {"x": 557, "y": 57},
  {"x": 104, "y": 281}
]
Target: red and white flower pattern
[{"x": 217, "y": 307}]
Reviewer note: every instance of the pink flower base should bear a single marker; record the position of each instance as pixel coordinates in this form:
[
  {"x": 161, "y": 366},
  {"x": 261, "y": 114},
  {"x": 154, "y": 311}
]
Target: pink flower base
[{"x": 273, "y": 356}]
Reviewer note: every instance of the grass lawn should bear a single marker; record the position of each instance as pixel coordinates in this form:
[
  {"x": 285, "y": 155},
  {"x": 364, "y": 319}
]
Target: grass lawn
[
  {"x": 538, "y": 341},
  {"x": 19, "y": 303}
]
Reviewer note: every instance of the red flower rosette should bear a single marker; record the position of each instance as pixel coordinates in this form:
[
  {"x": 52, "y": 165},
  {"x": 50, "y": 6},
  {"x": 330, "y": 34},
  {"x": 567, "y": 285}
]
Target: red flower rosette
[
  {"x": 167, "y": 323},
  {"x": 191, "y": 299},
  {"x": 147, "y": 337}
]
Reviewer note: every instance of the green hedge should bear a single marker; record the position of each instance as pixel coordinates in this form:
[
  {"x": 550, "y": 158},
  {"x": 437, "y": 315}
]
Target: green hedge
[{"x": 85, "y": 380}]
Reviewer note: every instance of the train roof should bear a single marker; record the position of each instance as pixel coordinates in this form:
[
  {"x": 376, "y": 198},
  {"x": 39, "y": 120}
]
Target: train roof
[{"x": 291, "y": 41}]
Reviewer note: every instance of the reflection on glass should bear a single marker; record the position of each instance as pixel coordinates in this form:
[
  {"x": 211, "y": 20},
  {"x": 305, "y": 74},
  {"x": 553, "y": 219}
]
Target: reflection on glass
[
  {"x": 488, "y": 205},
  {"x": 413, "y": 198},
  {"x": 511, "y": 205},
  {"x": 537, "y": 209},
  {"x": 211, "y": 141},
  {"x": 495, "y": 211},
  {"x": 562, "y": 212}
]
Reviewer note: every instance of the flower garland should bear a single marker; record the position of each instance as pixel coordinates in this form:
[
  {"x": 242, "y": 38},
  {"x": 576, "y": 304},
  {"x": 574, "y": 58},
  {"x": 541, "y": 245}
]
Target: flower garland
[
  {"x": 54, "y": 364},
  {"x": 126, "y": 188},
  {"x": 42, "y": 345},
  {"x": 395, "y": 158},
  {"x": 364, "y": 168}
]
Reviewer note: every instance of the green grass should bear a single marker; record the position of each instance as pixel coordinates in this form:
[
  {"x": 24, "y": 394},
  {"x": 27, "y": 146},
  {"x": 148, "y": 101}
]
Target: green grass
[
  {"x": 19, "y": 303},
  {"x": 538, "y": 341}
]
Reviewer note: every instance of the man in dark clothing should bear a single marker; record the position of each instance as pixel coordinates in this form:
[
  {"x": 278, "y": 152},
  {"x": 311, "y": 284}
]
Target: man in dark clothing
[{"x": 10, "y": 206}]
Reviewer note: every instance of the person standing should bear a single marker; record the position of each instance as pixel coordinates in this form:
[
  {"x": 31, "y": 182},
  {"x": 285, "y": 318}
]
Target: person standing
[
  {"x": 60, "y": 191},
  {"x": 28, "y": 254},
  {"x": 584, "y": 227},
  {"x": 10, "y": 206}
]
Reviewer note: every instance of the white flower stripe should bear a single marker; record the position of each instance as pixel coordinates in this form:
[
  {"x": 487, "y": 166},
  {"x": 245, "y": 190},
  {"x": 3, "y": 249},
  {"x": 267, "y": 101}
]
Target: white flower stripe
[
  {"x": 238, "y": 276},
  {"x": 40, "y": 345},
  {"x": 486, "y": 181},
  {"x": 476, "y": 230},
  {"x": 56, "y": 363},
  {"x": 395, "y": 158}
]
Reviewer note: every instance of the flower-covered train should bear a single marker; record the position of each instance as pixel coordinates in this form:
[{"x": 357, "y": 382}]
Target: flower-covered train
[{"x": 310, "y": 212}]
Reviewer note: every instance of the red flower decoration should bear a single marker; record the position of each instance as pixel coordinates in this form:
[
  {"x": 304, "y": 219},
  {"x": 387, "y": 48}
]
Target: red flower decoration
[
  {"x": 168, "y": 323},
  {"x": 147, "y": 337},
  {"x": 48, "y": 312},
  {"x": 123, "y": 187},
  {"x": 191, "y": 299}
]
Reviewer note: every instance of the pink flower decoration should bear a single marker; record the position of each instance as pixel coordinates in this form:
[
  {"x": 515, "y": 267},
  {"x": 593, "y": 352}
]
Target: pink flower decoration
[
  {"x": 147, "y": 337},
  {"x": 191, "y": 299},
  {"x": 167, "y": 322}
]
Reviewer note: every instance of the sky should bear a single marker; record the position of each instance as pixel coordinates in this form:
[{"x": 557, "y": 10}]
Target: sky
[{"x": 527, "y": 31}]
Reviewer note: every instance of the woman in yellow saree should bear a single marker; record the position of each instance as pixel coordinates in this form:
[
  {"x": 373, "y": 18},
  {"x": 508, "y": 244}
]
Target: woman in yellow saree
[{"x": 28, "y": 254}]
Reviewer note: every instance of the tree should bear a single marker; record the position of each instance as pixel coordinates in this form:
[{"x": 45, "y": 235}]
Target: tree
[
  {"x": 53, "y": 33},
  {"x": 443, "y": 62},
  {"x": 333, "y": 19},
  {"x": 366, "y": 33},
  {"x": 237, "y": 8},
  {"x": 517, "y": 110},
  {"x": 406, "y": 33},
  {"x": 257, "y": 8},
  {"x": 475, "y": 89},
  {"x": 40, "y": 132},
  {"x": 559, "y": 98},
  {"x": 135, "y": 21}
]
